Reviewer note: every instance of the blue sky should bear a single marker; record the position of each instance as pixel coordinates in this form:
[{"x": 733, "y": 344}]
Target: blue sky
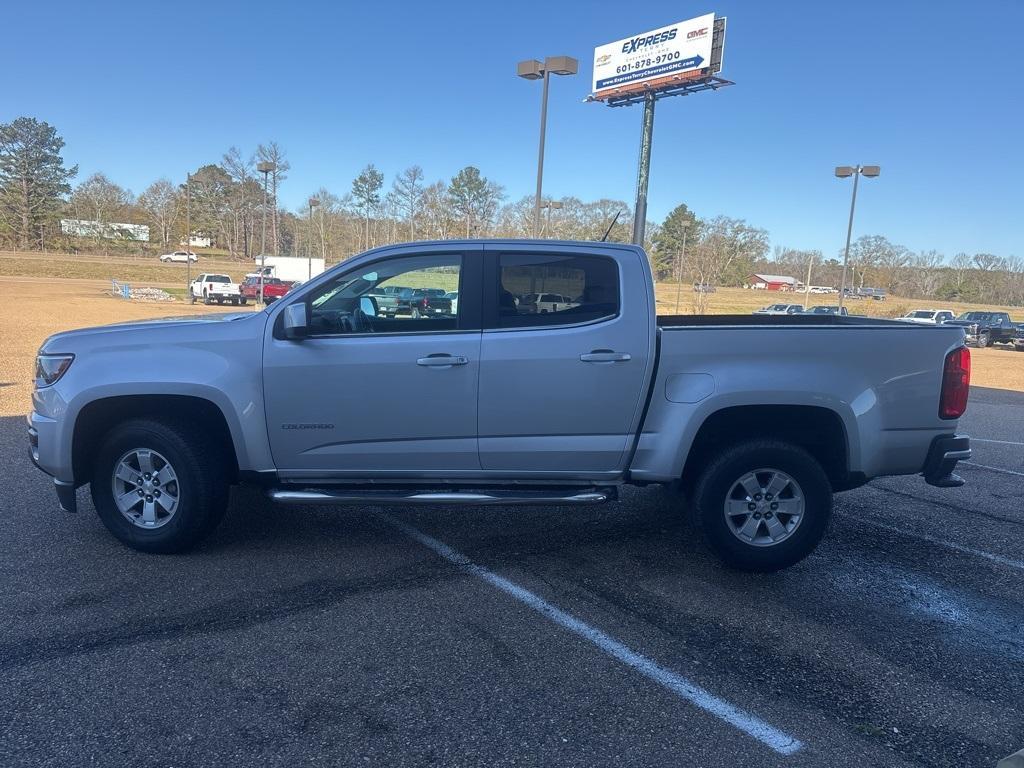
[{"x": 931, "y": 91}]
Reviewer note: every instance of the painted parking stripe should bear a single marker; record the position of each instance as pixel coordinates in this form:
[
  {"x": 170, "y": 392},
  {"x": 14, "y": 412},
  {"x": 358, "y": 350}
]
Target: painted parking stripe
[
  {"x": 997, "y": 442},
  {"x": 1018, "y": 564},
  {"x": 754, "y": 727},
  {"x": 993, "y": 469}
]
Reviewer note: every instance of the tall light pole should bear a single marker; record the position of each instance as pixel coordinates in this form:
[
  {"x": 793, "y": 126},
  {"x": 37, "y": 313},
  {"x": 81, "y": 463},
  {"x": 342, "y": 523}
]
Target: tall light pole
[
  {"x": 549, "y": 205},
  {"x": 313, "y": 202},
  {"x": 531, "y": 69},
  {"x": 265, "y": 168},
  {"x": 844, "y": 172},
  {"x": 188, "y": 237}
]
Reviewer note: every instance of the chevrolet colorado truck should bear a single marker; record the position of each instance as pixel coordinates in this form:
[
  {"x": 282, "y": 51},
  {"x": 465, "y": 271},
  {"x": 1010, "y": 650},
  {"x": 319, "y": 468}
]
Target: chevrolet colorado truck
[{"x": 318, "y": 399}]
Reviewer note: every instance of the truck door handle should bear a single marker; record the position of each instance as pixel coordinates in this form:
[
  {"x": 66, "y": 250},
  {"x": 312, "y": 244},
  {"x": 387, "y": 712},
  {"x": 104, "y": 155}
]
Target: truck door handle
[
  {"x": 605, "y": 356},
  {"x": 442, "y": 360}
]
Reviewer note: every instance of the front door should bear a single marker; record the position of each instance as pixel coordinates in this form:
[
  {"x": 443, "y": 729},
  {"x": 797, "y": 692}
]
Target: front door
[
  {"x": 562, "y": 381},
  {"x": 374, "y": 394}
]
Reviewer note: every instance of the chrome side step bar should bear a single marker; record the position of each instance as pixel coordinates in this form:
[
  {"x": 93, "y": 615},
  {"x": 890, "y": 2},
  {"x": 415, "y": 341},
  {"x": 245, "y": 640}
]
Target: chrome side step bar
[{"x": 341, "y": 496}]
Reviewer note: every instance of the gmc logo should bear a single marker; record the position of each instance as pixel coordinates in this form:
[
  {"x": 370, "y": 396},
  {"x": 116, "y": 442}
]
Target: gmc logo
[{"x": 696, "y": 33}]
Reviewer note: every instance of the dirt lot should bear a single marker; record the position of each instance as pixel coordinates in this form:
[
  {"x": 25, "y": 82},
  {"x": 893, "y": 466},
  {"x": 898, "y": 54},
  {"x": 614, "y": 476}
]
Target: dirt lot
[{"x": 34, "y": 308}]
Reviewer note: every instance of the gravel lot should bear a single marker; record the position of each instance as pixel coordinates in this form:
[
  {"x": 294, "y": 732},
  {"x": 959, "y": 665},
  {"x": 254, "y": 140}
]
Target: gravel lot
[{"x": 335, "y": 637}]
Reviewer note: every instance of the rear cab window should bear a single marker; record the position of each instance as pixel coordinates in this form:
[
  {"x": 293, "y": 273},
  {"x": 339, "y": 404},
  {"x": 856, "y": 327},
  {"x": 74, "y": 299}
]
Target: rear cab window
[{"x": 536, "y": 290}]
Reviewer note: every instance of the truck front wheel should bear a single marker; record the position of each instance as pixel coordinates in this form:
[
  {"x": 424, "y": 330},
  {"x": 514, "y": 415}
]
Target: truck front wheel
[
  {"x": 763, "y": 505},
  {"x": 159, "y": 486}
]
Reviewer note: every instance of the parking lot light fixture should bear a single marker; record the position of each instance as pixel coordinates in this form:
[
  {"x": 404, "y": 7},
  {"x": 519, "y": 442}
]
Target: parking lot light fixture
[
  {"x": 313, "y": 202},
  {"x": 844, "y": 172},
  {"x": 531, "y": 69}
]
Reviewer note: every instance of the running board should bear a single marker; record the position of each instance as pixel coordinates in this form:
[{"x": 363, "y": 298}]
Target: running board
[{"x": 342, "y": 496}]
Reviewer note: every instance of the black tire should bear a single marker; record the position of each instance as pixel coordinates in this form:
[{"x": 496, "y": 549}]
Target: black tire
[
  {"x": 206, "y": 297},
  {"x": 203, "y": 491},
  {"x": 191, "y": 297},
  {"x": 243, "y": 300},
  {"x": 983, "y": 339},
  {"x": 719, "y": 477},
  {"x": 415, "y": 313}
]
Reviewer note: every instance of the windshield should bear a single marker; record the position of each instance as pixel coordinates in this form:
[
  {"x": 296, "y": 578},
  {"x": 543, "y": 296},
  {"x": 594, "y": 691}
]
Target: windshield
[
  {"x": 218, "y": 279},
  {"x": 976, "y": 316},
  {"x": 922, "y": 313}
]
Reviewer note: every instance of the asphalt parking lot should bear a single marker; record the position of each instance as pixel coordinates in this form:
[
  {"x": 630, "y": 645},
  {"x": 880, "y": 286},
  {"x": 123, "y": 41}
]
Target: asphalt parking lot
[{"x": 538, "y": 636}]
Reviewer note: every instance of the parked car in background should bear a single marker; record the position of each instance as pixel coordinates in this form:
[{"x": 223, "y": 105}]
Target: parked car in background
[
  {"x": 273, "y": 288},
  {"x": 984, "y": 328},
  {"x": 1018, "y": 340},
  {"x": 780, "y": 309},
  {"x": 318, "y": 401},
  {"x": 703, "y": 288},
  {"x": 827, "y": 309},
  {"x": 542, "y": 303},
  {"x": 387, "y": 303},
  {"x": 878, "y": 294},
  {"x": 423, "y": 302},
  {"x": 928, "y": 316},
  {"x": 179, "y": 257},
  {"x": 215, "y": 288}
]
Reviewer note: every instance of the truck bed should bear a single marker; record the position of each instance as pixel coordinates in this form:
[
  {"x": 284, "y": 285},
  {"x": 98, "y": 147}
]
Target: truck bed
[{"x": 800, "y": 321}]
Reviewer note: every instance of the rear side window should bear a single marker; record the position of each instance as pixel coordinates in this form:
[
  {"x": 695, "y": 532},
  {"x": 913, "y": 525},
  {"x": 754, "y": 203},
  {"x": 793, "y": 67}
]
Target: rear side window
[{"x": 538, "y": 290}]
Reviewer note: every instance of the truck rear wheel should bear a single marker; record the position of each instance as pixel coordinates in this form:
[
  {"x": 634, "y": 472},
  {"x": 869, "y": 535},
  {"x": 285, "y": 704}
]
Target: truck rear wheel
[
  {"x": 763, "y": 505},
  {"x": 206, "y": 297},
  {"x": 159, "y": 486}
]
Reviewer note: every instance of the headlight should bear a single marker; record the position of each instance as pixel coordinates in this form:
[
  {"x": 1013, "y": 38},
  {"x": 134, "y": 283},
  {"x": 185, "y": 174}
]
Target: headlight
[{"x": 49, "y": 368}]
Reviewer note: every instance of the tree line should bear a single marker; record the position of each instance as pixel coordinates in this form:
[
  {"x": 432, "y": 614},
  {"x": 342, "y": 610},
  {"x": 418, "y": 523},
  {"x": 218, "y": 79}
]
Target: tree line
[{"x": 234, "y": 204}]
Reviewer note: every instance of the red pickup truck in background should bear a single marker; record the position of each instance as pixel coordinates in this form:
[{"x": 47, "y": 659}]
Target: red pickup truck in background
[{"x": 273, "y": 288}]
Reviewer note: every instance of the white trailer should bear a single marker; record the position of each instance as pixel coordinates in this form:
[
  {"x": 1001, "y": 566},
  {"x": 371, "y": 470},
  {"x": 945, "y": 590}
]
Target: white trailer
[{"x": 291, "y": 268}]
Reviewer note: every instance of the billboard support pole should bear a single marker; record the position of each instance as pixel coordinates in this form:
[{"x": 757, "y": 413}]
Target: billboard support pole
[{"x": 644, "y": 171}]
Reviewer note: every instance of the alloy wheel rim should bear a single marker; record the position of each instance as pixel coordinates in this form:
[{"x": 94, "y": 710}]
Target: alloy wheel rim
[
  {"x": 764, "y": 507},
  {"x": 146, "y": 488}
]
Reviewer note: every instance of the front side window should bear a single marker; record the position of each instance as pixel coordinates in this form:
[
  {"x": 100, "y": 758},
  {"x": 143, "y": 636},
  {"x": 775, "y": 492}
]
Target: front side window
[
  {"x": 536, "y": 290},
  {"x": 400, "y": 295}
]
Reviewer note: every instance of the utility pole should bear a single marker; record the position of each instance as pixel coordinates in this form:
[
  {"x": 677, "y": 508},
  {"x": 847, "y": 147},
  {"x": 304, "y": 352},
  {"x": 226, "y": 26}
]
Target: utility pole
[{"x": 644, "y": 171}]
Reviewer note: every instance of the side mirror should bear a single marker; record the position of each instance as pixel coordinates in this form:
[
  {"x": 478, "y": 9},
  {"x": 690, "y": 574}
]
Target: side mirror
[{"x": 295, "y": 323}]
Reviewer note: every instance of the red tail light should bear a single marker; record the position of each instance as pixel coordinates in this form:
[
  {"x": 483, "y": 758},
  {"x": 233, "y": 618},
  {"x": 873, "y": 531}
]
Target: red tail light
[
  {"x": 956, "y": 384},
  {"x": 424, "y": 303}
]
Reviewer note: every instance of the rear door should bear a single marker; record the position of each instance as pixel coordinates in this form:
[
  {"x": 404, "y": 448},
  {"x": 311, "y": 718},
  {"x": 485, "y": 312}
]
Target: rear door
[{"x": 561, "y": 383}]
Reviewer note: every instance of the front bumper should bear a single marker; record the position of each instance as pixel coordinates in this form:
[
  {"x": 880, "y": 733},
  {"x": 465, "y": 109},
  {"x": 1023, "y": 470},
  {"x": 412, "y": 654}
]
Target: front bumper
[
  {"x": 65, "y": 490},
  {"x": 945, "y": 452},
  {"x": 43, "y": 450}
]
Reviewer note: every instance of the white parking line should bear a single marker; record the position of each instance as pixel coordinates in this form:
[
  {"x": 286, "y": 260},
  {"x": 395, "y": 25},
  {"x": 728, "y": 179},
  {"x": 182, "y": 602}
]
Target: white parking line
[
  {"x": 775, "y": 739},
  {"x": 997, "y": 442},
  {"x": 993, "y": 469},
  {"x": 1018, "y": 564}
]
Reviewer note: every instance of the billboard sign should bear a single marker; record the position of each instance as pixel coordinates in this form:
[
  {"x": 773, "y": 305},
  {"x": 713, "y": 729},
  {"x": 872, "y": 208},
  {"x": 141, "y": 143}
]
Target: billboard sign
[{"x": 635, "y": 62}]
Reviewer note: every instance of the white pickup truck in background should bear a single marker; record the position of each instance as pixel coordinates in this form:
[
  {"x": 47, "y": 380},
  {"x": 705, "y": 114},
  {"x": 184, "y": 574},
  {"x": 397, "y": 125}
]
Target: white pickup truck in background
[{"x": 218, "y": 288}]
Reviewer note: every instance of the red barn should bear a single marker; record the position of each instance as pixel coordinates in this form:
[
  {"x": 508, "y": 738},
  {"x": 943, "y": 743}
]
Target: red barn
[{"x": 772, "y": 282}]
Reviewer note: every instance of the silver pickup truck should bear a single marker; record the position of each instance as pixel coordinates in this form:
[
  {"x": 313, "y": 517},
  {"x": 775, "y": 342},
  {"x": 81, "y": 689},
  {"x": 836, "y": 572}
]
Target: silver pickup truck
[{"x": 319, "y": 399}]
